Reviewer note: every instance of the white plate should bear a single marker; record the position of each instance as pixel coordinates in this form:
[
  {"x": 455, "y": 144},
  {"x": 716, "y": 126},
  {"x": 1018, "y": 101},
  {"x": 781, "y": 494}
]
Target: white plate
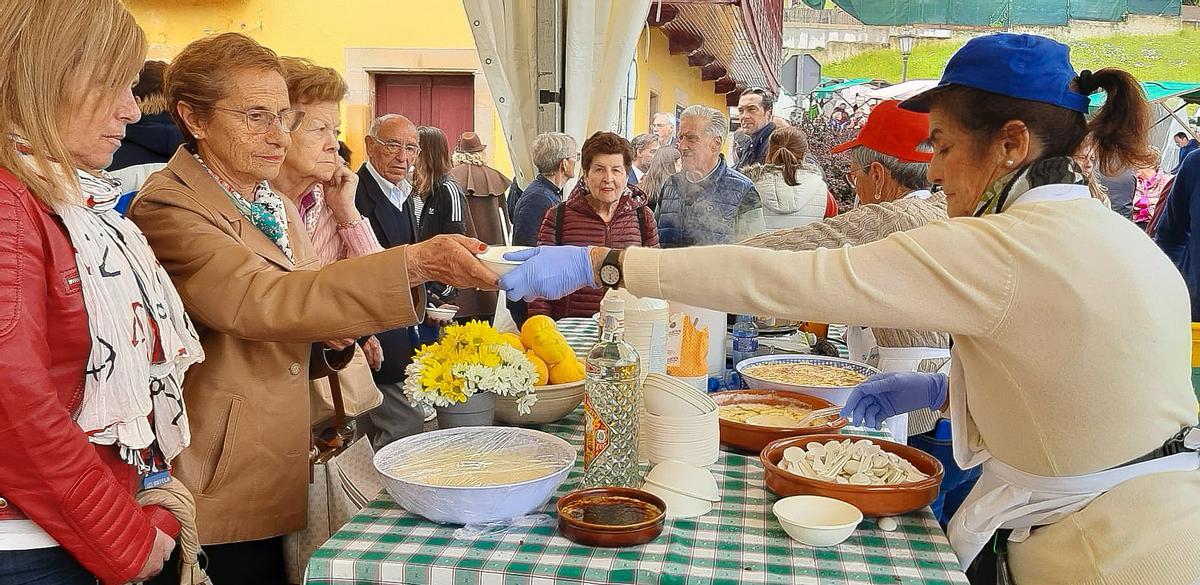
[
  {"x": 440, "y": 313},
  {"x": 493, "y": 258}
]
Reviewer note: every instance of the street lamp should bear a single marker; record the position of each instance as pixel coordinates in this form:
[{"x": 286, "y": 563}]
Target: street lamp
[{"x": 906, "y": 40}]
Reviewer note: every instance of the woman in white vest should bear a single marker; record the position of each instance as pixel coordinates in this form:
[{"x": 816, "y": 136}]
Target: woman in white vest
[
  {"x": 792, "y": 191},
  {"x": 1088, "y": 446}
]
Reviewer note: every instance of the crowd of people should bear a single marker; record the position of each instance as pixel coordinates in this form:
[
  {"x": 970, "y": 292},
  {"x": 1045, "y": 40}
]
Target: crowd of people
[{"x": 163, "y": 316}]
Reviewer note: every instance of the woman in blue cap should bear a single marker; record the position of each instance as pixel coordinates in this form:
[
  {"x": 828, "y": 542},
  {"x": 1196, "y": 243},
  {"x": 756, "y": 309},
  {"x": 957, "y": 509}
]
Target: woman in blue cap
[{"x": 1089, "y": 474}]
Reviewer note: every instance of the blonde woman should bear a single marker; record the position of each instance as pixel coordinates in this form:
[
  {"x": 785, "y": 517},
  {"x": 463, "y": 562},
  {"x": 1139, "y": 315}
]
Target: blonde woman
[{"x": 89, "y": 413}]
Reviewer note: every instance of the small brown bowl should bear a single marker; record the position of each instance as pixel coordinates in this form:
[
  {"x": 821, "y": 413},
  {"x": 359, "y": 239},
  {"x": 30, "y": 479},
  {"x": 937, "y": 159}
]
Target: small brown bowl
[
  {"x": 753, "y": 438},
  {"x": 873, "y": 500},
  {"x": 637, "y": 516}
]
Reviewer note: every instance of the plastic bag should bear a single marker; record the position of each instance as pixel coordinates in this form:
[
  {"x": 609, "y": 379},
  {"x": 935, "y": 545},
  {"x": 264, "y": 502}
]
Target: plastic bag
[{"x": 500, "y": 527}]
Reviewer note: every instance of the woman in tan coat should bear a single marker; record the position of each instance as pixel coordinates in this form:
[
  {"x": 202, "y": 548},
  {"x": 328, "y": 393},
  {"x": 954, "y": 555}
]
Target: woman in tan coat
[{"x": 251, "y": 280}]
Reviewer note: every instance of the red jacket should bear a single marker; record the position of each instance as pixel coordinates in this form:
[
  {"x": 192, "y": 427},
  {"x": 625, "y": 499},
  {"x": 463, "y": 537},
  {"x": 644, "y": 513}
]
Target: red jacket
[
  {"x": 582, "y": 226},
  {"x": 79, "y": 493}
]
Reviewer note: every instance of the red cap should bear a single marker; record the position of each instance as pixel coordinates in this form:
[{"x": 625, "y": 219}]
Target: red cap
[{"x": 893, "y": 131}]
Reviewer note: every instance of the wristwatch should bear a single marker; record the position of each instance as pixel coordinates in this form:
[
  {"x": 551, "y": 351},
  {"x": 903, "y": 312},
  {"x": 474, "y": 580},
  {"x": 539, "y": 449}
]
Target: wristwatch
[{"x": 610, "y": 270}]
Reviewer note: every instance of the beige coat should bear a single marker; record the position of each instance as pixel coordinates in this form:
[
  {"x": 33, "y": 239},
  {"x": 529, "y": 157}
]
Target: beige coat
[{"x": 257, "y": 314}]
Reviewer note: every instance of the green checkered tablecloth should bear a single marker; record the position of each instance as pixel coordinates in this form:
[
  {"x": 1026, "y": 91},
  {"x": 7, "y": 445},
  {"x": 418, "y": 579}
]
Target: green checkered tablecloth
[{"x": 739, "y": 542}]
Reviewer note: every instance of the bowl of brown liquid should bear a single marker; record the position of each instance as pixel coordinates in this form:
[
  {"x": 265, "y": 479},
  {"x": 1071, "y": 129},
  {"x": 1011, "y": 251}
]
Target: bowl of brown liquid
[{"x": 611, "y": 516}]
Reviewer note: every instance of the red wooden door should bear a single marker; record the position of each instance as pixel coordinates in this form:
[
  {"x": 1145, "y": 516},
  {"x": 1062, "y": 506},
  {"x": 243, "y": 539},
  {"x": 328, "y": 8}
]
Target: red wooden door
[{"x": 444, "y": 101}]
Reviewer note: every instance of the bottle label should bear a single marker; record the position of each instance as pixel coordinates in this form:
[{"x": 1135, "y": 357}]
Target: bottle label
[
  {"x": 745, "y": 344},
  {"x": 596, "y": 435}
]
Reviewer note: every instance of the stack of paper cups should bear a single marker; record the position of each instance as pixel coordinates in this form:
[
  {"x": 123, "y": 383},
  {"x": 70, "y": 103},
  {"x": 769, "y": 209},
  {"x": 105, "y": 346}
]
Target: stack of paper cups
[{"x": 646, "y": 330}]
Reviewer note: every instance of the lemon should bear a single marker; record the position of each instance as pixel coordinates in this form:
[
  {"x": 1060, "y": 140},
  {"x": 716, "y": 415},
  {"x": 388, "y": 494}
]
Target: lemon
[
  {"x": 514, "y": 340},
  {"x": 566, "y": 371},
  {"x": 543, "y": 372}
]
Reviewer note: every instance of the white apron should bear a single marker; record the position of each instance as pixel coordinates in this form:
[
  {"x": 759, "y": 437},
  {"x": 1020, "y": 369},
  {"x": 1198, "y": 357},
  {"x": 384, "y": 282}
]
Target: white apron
[
  {"x": 1008, "y": 498},
  {"x": 908, "y": 359}
]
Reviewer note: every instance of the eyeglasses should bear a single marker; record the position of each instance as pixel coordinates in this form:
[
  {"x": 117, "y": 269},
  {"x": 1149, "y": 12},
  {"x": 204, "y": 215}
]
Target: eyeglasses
[
  {"x": 850, "y": 177},
  {"x": 394, "y": 148},
  {"x": 260, "y": 121}
]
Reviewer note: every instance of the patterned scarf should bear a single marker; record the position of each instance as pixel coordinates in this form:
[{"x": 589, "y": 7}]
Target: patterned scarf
[
  {"x": 1009, "y": 188},
  {"x": 266, "y": 212},
  {"x": 142, "y": 341}
]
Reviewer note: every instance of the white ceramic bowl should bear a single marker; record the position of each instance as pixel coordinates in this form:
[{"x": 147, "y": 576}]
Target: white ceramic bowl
[
  {"x": 440, "y": 313},
  {"x": 699, "y": 456},
  {"x": 493, "y": 258},
  {"x": 834, "y": 394},
  {"x": 474, "y": 505},
  {"x": 686, "y": 479},
  {"x": 679, "y": 505},
  {"x": 817, "y": 520}
]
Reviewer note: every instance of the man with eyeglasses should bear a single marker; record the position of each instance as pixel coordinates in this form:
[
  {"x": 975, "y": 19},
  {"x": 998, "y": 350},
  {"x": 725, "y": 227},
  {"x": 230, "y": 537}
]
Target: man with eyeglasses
[
  {"x": 385, "y": 198},
  {"x": 709, "y": 202},
  {"x": 663, "y": 126},
  {"x": 756, "y": 108}
]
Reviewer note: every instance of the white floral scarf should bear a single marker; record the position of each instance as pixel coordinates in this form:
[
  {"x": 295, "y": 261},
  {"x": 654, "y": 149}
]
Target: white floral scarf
[{"x": 142, "y": 340}]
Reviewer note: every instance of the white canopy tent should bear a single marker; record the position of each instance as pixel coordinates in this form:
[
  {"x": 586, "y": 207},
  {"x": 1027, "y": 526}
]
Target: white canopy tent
[{"x": 600, "y": 42}]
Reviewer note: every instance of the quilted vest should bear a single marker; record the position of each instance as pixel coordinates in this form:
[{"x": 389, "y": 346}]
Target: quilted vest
[{"x": 703, "y": 213}]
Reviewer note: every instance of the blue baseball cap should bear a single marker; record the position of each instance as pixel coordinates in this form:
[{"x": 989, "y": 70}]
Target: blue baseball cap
[{"x": 1028, "y": 67}]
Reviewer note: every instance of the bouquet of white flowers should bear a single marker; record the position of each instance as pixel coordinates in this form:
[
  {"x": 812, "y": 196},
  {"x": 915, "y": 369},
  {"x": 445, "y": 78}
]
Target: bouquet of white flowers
[{"x": 469, "y": 359}]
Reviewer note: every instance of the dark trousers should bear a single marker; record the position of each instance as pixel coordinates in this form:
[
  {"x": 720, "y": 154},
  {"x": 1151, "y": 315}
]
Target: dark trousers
[
  {"x": 43, "y": 566},
  {"x": 395, "y": 418},
  {"x": 255, "y": 562}
]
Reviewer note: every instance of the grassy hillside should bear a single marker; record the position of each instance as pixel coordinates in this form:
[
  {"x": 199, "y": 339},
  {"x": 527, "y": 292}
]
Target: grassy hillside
[{"x": 1171, "y": 57}]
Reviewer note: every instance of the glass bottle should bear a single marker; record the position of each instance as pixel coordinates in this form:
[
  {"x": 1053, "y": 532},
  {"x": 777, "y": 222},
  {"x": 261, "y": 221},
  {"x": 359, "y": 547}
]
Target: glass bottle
[{"x": 612, "y": 392}]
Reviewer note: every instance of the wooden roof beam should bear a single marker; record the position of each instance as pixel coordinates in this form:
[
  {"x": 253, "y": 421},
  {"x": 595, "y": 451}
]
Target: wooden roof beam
[
  {"x": 669, "y": 12},
  {"x": 682, "y": 42},
  {"x": 713, "y": 71},
  {"x": 700, "y": 59}
]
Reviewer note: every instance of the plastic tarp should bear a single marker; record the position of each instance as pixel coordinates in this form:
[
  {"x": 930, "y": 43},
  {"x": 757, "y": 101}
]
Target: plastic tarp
[
  {"x": 829, "y": 87},
  {"x": 1155, "y": 7},
  {"x": 1157, "y": 91},
  {"x": 1107, "y": 10},
  {"x": 901, "y": 91},
  {"x": 1000, "y": 13}
]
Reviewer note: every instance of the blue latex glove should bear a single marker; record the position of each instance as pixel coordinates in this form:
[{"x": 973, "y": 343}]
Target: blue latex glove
[
  {"x": 548, "y": 272},
  {"x": 889, "y": 394}
]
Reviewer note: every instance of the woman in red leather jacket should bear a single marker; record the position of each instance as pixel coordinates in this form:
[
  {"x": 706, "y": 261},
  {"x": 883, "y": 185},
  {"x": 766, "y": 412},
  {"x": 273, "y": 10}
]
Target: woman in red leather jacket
[{"x": 93, "y": 338}]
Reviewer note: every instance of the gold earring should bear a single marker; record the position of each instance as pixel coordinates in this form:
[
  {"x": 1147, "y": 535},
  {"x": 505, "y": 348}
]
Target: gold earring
[
  {"x": 1008, "y": 163},
  {"x": 877, "y": 194}
]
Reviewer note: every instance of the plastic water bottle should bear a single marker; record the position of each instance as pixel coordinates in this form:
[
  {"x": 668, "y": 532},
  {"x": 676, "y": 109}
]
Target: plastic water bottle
[{"x": 745, "y": 339}]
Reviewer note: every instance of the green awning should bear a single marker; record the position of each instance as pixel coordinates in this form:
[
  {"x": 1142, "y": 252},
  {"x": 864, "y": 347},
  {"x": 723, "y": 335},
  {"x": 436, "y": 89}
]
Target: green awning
[
  {"x": 1157, "y": 91},
  {"x": 830, "y": 86}
]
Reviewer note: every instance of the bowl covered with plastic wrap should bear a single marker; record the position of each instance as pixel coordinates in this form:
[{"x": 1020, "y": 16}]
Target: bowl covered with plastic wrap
[{"x": 474, "y": 475}]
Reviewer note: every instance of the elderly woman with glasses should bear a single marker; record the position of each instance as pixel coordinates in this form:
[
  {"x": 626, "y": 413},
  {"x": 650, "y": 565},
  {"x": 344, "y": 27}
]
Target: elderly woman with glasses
[{"x": 249, "y": 275}]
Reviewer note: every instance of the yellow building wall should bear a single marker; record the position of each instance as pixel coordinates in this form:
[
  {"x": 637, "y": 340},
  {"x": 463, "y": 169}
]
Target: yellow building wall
[
  {"x": 363, "y": 36},
  {"x": 325, "y": 31},
  {"x": 671, "y": 78}
]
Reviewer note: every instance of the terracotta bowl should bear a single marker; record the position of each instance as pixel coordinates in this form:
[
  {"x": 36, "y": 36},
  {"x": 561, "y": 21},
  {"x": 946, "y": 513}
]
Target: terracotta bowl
[
  {"x": 753, "y": 438},
  {"x": 554, "y": 402},
  {"x": 646, "y": 529},
  {"x": 873, "y": 500}
]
